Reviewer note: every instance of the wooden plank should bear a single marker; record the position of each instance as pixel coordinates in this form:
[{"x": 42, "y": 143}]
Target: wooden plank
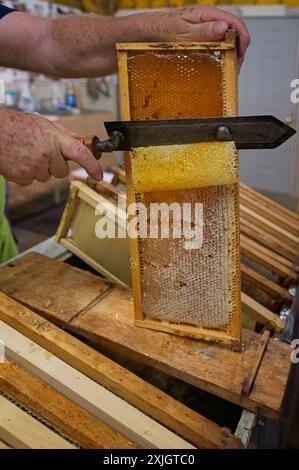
[
  {"x": 265, "y": 284},
  {"x": 85, "y": 289},
  {"x": 96, "y": 399},
  {"x": 146, "y": 397},
  {"x": 249, "y": 381},
  {"x": 190, "y": 331},
  {"x": 57, "y": 410},
  {"x": 268, "y": 240},
  {"x": 261, "y": 314},
  {"x": 212, "y": 367},
  {"x": 269, "y": 226},
  {"x": 21, "y": 431},
  {"x": 269, "y": 203},
  {"x": 266, "y": 258},
  {"x": 272, "y": 256},
  {"x": 275, "y": 216}
]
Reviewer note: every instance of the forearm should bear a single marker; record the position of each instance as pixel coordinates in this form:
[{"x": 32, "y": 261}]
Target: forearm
[
  {"x": 88, "y": 48},
  {"x": 84, "y": 46},
  {"x": 71, "y": 46}
]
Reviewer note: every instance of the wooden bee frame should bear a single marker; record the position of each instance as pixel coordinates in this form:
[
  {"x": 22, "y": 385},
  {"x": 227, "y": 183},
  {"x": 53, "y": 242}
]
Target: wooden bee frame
[{"x": 231, "y": 332}]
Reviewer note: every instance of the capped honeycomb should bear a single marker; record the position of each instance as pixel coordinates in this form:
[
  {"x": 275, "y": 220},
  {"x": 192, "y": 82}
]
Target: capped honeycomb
[
  {"x": 199, "y": 286},
  {"x": 168, "y": 167},
  {"x": 175, "y": 84}
]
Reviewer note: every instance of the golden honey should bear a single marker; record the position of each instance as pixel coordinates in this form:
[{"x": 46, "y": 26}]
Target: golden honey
[
  {"x": 175, "y": 84},
  {"x": 189, "y": 166}
]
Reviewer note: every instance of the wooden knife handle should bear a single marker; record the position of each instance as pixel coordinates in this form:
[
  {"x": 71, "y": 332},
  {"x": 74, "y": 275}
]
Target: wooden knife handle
[
  {"x": 97, "y": 146},
  {"x": 90, "y": 142}
]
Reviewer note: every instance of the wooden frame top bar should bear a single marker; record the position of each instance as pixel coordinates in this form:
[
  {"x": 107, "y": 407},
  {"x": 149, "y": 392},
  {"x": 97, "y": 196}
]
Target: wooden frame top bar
[
  {"x": 175, "y": 46},
  {"x": 227, "y": 44}
]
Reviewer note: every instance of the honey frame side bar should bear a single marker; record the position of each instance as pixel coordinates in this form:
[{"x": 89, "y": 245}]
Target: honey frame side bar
[
  {"x": 126, "y": 116},
  {"x": 231, "y": 101}
]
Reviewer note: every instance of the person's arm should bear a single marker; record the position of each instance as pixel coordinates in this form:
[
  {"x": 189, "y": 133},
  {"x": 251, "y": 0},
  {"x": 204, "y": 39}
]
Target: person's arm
[{"x": 84, "y": 46}]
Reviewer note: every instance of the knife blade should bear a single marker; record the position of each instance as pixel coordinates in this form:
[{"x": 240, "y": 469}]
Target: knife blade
[{"x": 248, "y": 132}]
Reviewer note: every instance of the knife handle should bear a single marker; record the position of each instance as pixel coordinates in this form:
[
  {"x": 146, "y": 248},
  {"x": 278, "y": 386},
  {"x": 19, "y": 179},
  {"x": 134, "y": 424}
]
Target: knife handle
[{"x": 97, "y": 146}]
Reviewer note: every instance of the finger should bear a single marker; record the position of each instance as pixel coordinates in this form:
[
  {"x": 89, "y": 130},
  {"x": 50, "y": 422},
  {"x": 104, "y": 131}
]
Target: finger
[
  {"x": 210, "y": 13},
  {"x": 209, "y": 31},
  {"x": 43, "y": 174},
  {"x": 233, "y": 22},
  {"x": 59, "y": 166},
  {"x": 23, "y": 181},
  {"x": 73, "y": 150}
]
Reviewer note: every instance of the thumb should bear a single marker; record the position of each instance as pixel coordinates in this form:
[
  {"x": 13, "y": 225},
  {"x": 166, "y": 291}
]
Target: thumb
[
  {"x": 74, "y": 150},
  {"x": 210, "y": 31}
]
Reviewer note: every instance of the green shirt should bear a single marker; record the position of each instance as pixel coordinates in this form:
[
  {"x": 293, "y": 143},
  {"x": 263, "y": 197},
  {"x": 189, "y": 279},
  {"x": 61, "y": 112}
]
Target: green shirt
[{"x": 8, "y": 248}]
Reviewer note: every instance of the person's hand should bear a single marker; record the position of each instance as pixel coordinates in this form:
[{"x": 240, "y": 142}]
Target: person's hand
[
  {"x": 198, "y": 23},
  {"x": 33, "y": 148}
]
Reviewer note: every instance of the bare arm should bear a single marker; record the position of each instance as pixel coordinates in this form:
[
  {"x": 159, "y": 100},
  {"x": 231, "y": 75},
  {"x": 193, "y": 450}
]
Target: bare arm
[{"x": 84, "y": 46}]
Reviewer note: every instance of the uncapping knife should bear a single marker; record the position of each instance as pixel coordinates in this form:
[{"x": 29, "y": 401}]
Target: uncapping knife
[{"x": 248, "y": 132}]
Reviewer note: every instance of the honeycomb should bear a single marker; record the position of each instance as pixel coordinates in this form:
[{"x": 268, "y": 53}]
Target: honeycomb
[
  {"x": 189, "y": 166},
  {"x": 192, "y": 286},
  {"x": 184, "y": 77},
  {"x": 198, "y": 286}
]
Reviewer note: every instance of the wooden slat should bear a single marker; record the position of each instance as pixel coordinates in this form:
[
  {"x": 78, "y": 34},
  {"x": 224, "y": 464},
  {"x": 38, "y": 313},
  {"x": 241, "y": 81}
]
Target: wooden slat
[
  {"x": 230, "y": 108},
  {"x": 263, "y": 256},
  {"x": 265, "y": 284},
  {"x": 212, "y": 367},
  {"x": 249, "y": 381},
  {"x": 268, "y": 240},
  {"x": 271, "y": 255},
  {"x": 60, "y": 412},
  {"x": 194, "y": 427},
  {"x": 21, "y": 431},
  {"x": 86, "y": 393},
  {"x": 261, "y": 314},
  {"x": 67, "y": 214},
  {"x": 269, "y": 203},
  {"x": 124, "y": 97},
  {"x": 85, "y": 288},
  {"x": 275, "y": 216},
  {"x": 269, "y": 226},
  {"x": 140, "y": 46}
]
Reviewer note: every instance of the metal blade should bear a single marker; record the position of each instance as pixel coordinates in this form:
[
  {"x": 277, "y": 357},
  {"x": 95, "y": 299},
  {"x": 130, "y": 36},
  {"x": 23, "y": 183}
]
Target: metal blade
[{"x": 248, "y": 132}]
